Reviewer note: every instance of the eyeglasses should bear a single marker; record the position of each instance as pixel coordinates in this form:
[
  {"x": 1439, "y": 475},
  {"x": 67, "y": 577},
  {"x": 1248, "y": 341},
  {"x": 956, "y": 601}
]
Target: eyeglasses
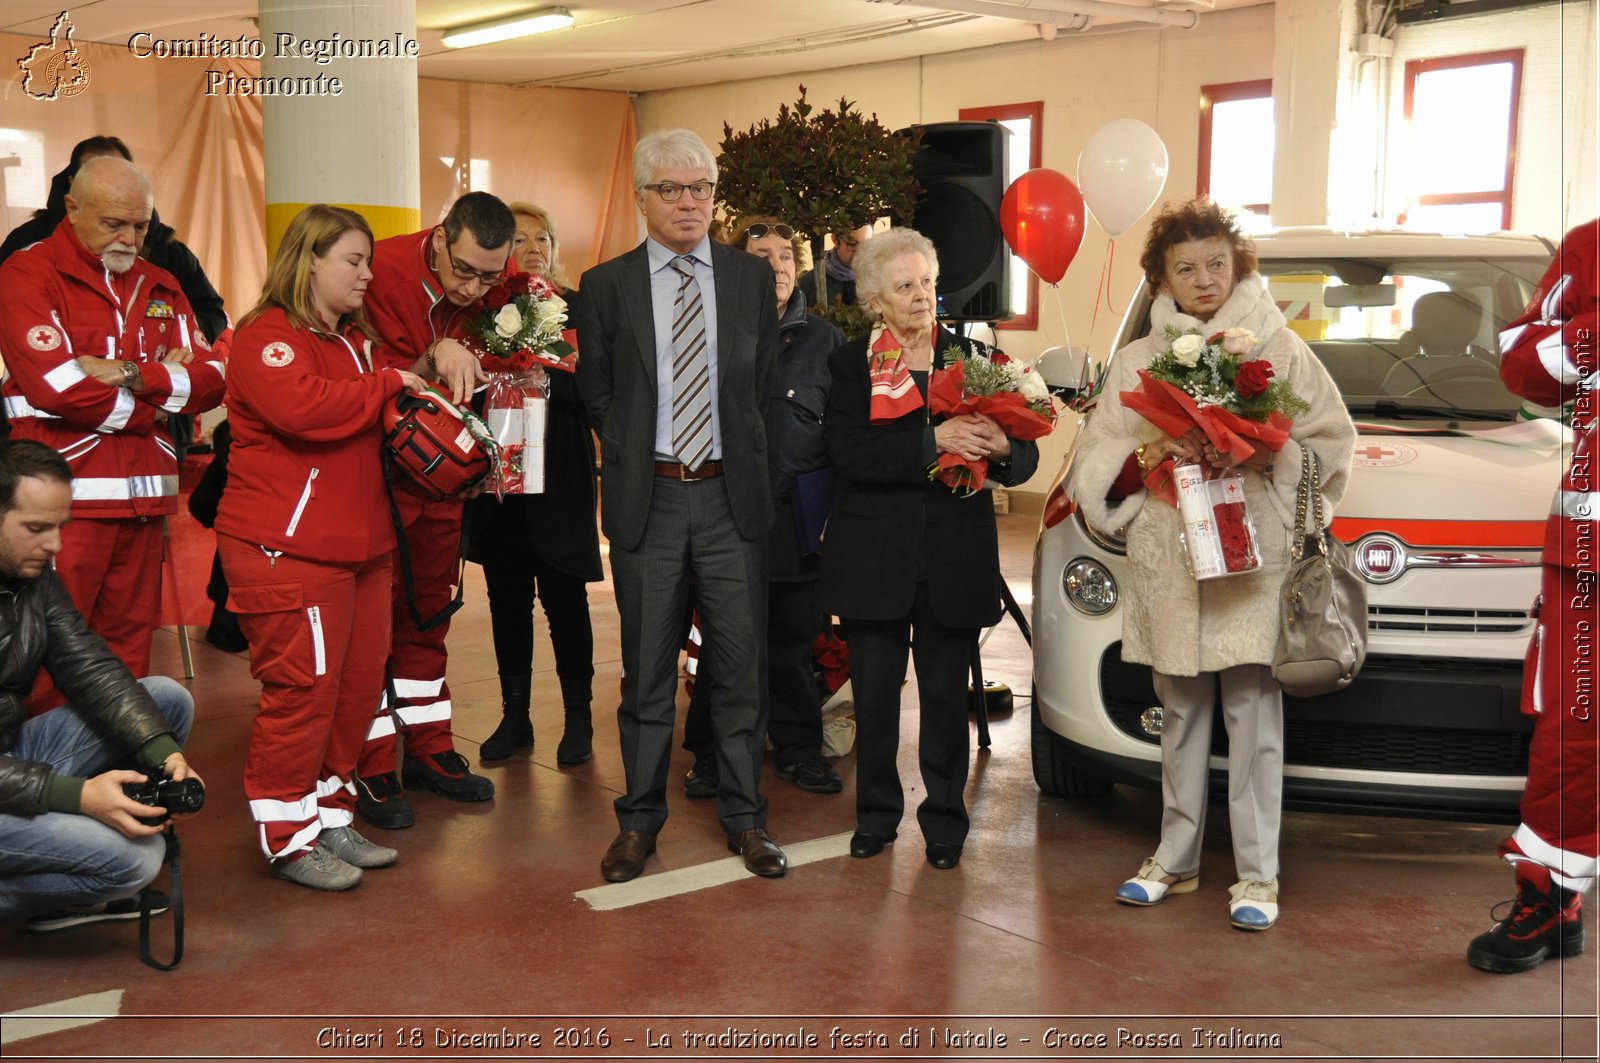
[
  {"x": 760, "y": 229},
  {"x": 466, "y": 273},
  {"x": 671, "y": 191}
]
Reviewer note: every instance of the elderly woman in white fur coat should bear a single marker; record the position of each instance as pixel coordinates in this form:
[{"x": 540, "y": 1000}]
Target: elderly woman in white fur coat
[{"x": 1197, "y": 636}]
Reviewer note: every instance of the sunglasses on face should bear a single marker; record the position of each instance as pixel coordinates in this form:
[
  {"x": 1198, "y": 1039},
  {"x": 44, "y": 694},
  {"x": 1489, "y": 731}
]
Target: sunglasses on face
[
  {"x": 757, "y": 231},
  {"x": 466, "y": 273},
  {"x": 672, "y": 191}
]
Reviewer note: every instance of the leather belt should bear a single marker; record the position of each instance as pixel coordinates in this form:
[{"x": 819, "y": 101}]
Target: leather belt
[{"x": 671, "y": 470}]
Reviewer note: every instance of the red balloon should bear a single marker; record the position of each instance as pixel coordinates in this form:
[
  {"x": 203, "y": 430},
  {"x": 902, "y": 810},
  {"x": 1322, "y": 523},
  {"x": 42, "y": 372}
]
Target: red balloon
[{"x": 1042, "y": 218}]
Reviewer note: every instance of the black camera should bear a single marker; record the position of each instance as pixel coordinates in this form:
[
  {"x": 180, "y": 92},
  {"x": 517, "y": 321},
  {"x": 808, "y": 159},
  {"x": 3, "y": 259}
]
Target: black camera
[{"x": 172, "y": 795}]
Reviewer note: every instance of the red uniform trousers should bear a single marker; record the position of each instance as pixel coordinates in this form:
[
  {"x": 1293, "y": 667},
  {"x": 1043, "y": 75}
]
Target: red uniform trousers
[
  {"x": 112, "y": 569},
  {"x": 318, "y": 637},
  {"x": 1561, "y": 802},
  {"x": 418, "y": 658}
]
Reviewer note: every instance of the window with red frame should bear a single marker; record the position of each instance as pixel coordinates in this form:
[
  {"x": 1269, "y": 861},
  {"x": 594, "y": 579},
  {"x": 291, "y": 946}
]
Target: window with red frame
[
  {"x": 1461, "y": 137},
  {"x": 1026, "y": 122},
  {"x": 1237, "y": 137}
]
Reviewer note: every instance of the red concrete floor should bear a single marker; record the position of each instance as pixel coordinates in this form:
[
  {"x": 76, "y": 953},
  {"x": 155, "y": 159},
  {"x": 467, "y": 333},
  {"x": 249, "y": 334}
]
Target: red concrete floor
[{"x": 479, "y": 933}]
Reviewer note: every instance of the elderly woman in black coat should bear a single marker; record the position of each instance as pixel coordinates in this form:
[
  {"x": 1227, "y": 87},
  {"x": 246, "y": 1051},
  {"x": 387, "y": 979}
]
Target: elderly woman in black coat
[{"x": 907, "y": 562}]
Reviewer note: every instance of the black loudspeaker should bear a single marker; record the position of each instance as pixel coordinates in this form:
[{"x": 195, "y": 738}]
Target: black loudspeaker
[{"x": 962, "y": 169}]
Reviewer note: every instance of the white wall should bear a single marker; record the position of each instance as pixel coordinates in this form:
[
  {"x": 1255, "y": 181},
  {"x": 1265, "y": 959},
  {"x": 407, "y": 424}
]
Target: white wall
[
  {"x": 1086, "y": 80},
  {"x": 1555, "y": 186}
]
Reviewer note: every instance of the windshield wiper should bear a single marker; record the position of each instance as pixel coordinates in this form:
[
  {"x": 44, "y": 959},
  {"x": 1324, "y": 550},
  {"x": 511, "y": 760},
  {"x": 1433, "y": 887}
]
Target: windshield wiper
[{"x": 1401, "y": 411}]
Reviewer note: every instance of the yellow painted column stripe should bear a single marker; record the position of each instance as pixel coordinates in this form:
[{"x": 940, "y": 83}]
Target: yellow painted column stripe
[{"x": 385, "y": 221}]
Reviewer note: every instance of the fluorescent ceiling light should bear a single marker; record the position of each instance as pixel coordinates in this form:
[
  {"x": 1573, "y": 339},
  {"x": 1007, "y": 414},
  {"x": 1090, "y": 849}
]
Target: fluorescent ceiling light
[{"x": 526, "y": 24}]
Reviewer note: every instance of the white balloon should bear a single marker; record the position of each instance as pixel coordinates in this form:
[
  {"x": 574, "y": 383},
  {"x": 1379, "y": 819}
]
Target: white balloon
[{"x": 1121, "y": 171}]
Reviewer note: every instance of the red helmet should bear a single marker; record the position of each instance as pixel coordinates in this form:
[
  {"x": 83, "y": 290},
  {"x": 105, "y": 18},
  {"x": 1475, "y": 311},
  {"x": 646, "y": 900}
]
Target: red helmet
[{"x": 436, "y": 444}]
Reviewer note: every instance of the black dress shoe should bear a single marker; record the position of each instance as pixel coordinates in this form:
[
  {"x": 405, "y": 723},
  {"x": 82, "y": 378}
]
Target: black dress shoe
[
  {"x": 863, "y": 845},
  {"x": 944, "y": 857},
  {"x": 761, "y": 854},
  {"x": 625, "y": 859}
]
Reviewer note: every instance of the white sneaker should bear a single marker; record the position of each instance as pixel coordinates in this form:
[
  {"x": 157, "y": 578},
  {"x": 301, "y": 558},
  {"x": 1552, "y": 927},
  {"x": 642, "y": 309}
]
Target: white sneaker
[
  {"x": 1149, "y": 886},
  {"x": 320, "y": 870},
  {"x": 353, "y": 849},
  {"x": 1253, "y": 905}
]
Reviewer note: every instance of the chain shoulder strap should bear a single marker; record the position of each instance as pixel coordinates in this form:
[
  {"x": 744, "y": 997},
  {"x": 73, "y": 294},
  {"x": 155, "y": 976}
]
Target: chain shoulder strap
[{"x": 1308, "y": 496}]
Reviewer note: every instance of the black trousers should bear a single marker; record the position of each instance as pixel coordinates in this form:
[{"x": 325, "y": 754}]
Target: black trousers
[
  {"x": 794, "y": 707},
  {"x": 942, "y": 656},
  {"x": 515, "y": 573}
]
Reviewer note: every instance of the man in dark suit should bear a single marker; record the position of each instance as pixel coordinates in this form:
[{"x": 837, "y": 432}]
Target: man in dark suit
[{"x": 679, "y": 339}]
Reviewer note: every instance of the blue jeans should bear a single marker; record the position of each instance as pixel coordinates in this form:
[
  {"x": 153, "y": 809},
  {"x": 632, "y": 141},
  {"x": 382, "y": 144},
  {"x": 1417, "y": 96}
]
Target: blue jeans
[{"x": 57, "y": 859}]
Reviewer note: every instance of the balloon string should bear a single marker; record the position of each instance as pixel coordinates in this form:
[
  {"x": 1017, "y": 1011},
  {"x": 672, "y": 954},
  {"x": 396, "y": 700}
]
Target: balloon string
[
  {"x": 1111, "y": 263},
  {"x": 1105, "y": 266},
  {"x": 1061, "y": 308}
]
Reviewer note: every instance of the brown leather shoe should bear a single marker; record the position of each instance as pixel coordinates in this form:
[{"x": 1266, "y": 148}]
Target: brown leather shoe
[
  {"x": 625, "y": 859},
  {"x": 761, "y": 854}
]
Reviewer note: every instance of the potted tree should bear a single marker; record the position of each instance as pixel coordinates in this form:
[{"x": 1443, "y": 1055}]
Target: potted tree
[{"x": 821, "y": 171}]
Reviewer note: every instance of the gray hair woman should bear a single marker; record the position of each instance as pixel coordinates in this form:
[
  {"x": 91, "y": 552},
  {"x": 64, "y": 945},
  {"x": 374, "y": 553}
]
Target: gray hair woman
[
  {"x": 1195, "y": 636},
  {"x": 881, "y": 570}
]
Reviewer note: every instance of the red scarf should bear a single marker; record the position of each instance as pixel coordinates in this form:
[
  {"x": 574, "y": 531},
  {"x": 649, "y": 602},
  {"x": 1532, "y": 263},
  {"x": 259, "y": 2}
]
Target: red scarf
[{"x": 894, "y": 393}]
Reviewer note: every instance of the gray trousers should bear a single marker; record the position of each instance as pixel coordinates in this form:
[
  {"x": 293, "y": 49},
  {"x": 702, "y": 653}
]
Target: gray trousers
[
  {"x": 690, "y": 543},
  {"x": 1252, "y": 711}
]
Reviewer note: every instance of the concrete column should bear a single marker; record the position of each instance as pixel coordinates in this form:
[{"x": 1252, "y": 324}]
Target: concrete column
[
  {"x": 339, "y": 111},
  {"x": 1311, "y": 73}
]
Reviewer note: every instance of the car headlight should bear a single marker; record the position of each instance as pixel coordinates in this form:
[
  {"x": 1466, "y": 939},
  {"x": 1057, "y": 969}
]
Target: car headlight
[{"x": 1090, "y": 586}]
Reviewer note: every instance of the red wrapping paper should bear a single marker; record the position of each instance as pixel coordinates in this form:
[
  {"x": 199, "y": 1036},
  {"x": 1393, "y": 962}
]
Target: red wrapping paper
[
  {"x": 1175, "y": 412},
  {"x": 947, "y": 397}
]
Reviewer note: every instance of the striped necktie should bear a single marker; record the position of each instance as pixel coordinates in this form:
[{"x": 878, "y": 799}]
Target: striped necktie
[{"x": 691, "y": 370}]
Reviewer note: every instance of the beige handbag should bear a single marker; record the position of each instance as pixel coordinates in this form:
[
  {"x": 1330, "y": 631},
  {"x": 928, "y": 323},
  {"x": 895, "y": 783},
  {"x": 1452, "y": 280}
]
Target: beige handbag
[{"x": 1323, "y": 638}]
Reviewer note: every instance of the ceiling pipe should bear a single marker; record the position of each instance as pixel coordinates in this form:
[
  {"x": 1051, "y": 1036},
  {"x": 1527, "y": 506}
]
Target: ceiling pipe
[{"x": 1072, "y": 14}]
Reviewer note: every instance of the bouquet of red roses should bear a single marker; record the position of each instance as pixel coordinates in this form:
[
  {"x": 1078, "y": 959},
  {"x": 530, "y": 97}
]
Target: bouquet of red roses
[
  {"x": 1212, "y": 384},
  {"x": 1010, "y": 391},
  {"x": 517, "y": 337}
]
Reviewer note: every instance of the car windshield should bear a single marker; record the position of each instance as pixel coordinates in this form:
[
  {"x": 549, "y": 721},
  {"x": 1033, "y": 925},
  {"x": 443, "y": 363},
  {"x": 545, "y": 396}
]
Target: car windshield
[{"x": 1414, "y": 339}]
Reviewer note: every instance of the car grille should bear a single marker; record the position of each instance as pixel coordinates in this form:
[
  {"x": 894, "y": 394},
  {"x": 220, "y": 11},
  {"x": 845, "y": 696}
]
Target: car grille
[
  {"x": 1449, "y": 621},
  {"x": 1403, "y": 714}
]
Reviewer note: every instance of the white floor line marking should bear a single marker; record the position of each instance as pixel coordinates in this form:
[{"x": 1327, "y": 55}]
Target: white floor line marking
[
  {"x": 648, "y": 887},
  {"x": 60, "y": 1015}
]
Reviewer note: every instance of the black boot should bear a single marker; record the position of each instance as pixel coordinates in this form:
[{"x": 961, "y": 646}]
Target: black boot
[
  {"x": 516, "y": 729},
  {"x": 1545, "y": 920},
  {"x": 577, "y": 741}
]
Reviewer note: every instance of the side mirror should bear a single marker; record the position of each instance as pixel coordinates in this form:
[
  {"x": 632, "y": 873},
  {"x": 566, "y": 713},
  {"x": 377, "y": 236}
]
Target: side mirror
[{"x": 1070, "y": 373}]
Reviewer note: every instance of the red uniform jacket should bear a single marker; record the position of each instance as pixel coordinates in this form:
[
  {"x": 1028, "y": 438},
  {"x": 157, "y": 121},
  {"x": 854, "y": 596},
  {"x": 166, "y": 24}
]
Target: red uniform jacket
[
  {"x": 57, "y": 301},
  {"x": 304, "y": 475},
  {"x": 405, "y": 302},
  {"x": 1548, "y": 356}
]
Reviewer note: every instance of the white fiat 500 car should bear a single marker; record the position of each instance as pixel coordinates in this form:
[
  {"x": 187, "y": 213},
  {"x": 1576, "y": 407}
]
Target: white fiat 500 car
[{"x": 1445, "y": 512}]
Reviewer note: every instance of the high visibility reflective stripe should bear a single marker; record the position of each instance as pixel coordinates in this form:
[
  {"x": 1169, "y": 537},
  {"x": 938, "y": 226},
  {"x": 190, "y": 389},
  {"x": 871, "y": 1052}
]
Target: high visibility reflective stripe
[
  {"x": 17, "y": 406},
  {"x": 121, "y": 411},
  {"x": 412, "y": 689},
  {"x": 1557, "y": 359},
  {"x": 304, "y": 838},
  {"x": 1568, "y": 864},
  {"x": 264, "y": 810},
  {"x": 122, "y": 489},
  {"x": 221, "y": 368},
  {"x": 65, "y": 375},
  {"x": 411, "y": 715},
  {"x": 382, "y": 727},
  {"x": 1577, "y": 505},
  {"x": 182, "y": 388},
  {"x": 78, "y": 448}
]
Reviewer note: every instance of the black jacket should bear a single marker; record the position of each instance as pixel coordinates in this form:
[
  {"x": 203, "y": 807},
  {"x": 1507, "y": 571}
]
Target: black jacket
[
  {"x": 890, "y": 523},
  {"x": 617, "y": 380},
  {"x": 794, "y": 429},
  {"x": 39, "y": 626}
]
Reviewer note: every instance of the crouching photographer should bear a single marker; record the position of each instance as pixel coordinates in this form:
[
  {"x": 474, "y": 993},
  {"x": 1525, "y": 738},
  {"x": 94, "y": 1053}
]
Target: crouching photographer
[{"x": 75, "y": 847}]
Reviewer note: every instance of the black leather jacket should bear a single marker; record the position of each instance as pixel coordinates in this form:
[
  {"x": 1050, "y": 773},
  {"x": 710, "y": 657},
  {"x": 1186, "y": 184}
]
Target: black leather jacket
[{"x": 39, "y": 626}]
